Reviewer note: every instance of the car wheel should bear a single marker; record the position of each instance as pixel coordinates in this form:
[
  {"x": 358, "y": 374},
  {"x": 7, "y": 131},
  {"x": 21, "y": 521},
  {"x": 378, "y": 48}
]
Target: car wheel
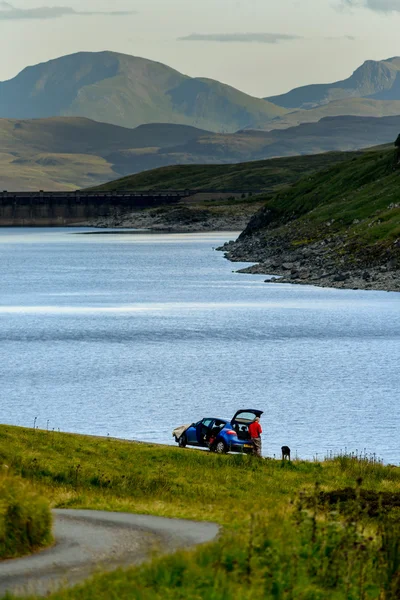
[
  {"x": 220, "y": 447},
  {"x": 182, "y": 441}
]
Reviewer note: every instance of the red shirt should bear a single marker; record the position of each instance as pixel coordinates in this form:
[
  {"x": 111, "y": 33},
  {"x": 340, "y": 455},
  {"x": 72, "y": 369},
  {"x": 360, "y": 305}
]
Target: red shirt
[{"x": 255, "y": 429}]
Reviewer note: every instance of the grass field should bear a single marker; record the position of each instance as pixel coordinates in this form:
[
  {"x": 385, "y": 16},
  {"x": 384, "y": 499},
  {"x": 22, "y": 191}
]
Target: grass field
[{"x": 281, "y": 538}]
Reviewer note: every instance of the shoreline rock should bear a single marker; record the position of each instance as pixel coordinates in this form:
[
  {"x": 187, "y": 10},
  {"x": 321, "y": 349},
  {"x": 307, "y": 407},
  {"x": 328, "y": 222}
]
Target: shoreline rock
[{"x": 311, "y": 265}]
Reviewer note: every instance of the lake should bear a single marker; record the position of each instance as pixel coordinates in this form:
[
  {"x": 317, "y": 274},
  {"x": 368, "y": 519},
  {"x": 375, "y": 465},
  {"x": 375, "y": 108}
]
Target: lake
[{"x": 133, "y": 334}]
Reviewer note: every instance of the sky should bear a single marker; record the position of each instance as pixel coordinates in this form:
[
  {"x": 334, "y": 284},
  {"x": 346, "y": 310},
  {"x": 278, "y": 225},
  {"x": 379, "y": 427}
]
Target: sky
[{"x": 262, "y": 47}]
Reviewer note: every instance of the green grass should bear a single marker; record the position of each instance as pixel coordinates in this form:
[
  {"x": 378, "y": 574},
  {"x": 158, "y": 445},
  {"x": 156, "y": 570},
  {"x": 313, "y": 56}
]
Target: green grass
[
  {"x": 25, "y": 518},
  {"x": 355, "y": 203},
  {"x": 278, "y": 541}
]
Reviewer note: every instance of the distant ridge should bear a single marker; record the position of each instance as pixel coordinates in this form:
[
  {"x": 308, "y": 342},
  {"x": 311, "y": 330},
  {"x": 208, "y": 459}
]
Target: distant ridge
[
  {"x": 348, "y": 107},
  {"x": 71, "y": 152},
  {"x": 62, "y": 153}
]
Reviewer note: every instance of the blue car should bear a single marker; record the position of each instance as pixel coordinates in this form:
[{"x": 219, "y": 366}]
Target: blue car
[{"x": 219, "y": 435}]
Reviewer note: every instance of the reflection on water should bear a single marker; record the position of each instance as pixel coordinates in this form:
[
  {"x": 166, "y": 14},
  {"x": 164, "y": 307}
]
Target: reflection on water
[{"x": 132, "y": 335}]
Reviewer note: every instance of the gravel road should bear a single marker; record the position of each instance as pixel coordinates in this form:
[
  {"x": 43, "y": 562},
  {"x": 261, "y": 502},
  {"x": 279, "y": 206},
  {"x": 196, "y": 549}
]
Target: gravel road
[{"x": 88, "y": 541}]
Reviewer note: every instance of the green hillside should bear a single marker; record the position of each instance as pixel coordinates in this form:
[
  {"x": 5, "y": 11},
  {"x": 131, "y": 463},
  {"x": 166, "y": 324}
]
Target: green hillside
[
  {"x": 128, "y": 91},
  {"x": 353, "y": 208},
  {"x": 258, "y": 175},
  {"x": 224, "y": 201}
]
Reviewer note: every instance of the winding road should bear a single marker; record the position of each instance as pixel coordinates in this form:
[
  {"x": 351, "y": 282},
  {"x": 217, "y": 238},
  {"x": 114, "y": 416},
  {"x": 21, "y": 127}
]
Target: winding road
[{"x": 88, "y": 541}]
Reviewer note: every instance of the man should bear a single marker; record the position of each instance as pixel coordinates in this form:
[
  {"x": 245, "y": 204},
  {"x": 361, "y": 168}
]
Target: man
[{"x": 255, "y": 431}]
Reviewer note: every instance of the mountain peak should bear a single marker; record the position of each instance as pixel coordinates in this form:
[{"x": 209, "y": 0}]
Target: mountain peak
[
  {"x": 126, "y": 90},
  {"x": 370, "y": 80}
]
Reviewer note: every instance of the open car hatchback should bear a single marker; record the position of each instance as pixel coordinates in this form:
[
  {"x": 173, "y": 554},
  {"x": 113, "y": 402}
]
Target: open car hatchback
[{"x": 219, "y": 435}]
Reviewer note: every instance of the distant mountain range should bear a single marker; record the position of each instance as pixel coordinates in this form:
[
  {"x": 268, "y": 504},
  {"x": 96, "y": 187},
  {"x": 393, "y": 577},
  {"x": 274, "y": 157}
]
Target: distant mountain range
[
  {"x": 128, "y": 91},
  {"x": 71, "y": 153},
  {"x": 87, "y": 118}
]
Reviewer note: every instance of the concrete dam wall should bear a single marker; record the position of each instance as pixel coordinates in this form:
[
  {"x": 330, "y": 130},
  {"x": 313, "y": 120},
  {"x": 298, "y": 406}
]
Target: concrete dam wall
[{"x": 55, "y": 209}]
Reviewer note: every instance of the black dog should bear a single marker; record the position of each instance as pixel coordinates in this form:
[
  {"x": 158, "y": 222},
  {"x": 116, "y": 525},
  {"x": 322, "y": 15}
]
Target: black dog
[{"x": 285, "y": 452}]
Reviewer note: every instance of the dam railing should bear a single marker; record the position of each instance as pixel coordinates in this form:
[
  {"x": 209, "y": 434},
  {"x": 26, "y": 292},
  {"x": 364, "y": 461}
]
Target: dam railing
[{"x": 43, "y": 208}]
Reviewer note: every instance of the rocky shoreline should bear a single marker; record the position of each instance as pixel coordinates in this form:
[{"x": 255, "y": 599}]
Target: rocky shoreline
[
  {"x": 314, "y": 264},
  {"x": 173, "y": 220}
]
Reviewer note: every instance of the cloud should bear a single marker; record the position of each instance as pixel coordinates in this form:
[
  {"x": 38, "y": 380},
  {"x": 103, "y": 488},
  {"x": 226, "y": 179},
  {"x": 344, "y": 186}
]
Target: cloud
[
  {"x": 8, "y": 12},
  {"x": 351, "y": 38},
  {"x": 259, "y": 38},
  {"x": 385, "y": 6}
]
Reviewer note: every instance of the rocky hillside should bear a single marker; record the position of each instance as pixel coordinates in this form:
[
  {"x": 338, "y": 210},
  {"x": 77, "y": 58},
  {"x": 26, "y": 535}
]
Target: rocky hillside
[
  {"x": 339, "y": 227},
  {"x": 128, "y": 91}
]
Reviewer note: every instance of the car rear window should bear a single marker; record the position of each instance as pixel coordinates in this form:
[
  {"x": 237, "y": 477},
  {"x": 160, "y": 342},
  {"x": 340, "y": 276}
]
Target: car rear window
[{"x": 245, "y": 417}]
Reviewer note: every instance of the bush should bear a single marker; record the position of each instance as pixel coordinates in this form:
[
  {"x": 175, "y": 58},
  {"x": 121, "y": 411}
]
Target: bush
[{"x": 25, "y": 519}]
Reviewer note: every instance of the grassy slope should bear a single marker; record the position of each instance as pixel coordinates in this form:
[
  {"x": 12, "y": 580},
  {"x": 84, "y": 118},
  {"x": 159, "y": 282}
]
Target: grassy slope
[
  {"x": 264, "y": 531},
  {"x": 258, "y": 175},
  {"x": 356, "y": 202},
  {"x": 53, "y": 172}
]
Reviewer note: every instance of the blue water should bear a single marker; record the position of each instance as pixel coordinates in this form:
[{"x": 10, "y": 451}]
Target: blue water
[{"x": 132, "y": 335}]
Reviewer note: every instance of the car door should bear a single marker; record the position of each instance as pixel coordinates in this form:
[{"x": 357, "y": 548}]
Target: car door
[
  {"x": 203, "y": 431},
  {"x": 191, "y": 434}
]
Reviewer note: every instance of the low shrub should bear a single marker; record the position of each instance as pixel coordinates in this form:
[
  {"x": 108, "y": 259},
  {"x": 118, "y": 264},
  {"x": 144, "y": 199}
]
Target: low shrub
[
  {"x": 25, "y": 519},
  {"x": 374, "y": 504}
]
